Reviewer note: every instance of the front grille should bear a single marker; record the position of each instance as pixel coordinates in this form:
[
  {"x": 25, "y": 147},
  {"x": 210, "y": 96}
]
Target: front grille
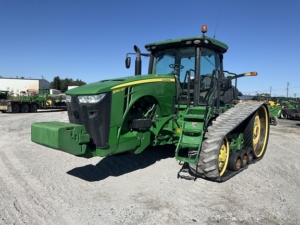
[{"x": 94, "y": 117}]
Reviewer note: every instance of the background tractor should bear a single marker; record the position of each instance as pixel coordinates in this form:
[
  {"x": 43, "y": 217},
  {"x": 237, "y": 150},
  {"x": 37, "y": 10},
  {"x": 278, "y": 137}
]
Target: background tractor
[
  {"x": 32, "y": 102},
  {"x": 185, "y": 100},
  {"x": 289, "y": 111},
  {"x": 275, "y": 109}
]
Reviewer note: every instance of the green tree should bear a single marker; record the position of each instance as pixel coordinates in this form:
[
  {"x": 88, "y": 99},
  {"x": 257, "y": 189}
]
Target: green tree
[
  {"x": 56, "y": 83},
  {"x": 78, "y": 83},
  {"x": 65, "y": 83},
  {"x": 62, "y": 84}
]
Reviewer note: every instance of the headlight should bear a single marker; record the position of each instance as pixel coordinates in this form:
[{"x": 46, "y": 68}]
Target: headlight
[
  {"x": 68, "y": 98},
  {"x": 91, "y": 98}
]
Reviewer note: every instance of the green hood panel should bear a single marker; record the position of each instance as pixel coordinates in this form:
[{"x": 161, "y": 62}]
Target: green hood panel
[{"x": 114, "y": 84}]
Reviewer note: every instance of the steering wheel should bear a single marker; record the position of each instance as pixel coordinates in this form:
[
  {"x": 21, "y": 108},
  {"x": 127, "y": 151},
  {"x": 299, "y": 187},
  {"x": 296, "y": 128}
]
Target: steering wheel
[{"x": 176, "y": 66}]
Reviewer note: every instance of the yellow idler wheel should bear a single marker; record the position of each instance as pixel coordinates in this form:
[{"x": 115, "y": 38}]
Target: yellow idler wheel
[
  {"x": 257, "y": 132},
  {"x": 48, "y": 102},
  {"x": 223, "y": 157},
  {"x": 213, "y": 160}
]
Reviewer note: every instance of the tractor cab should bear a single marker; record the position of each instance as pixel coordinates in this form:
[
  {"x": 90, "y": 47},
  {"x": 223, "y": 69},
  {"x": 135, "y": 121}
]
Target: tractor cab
[
  {"x": 3, "y": 95},
  {"x": 191, "y": 71},
  {"x": 44, "y": 91},
  {"x": 196, "y": 64}
]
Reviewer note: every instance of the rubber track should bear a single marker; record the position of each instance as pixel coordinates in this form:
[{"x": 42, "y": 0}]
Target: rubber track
[{"x": 223, "y": 125}]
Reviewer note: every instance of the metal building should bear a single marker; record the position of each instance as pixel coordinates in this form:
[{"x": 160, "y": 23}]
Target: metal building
[{"x": 20, "y": 85}]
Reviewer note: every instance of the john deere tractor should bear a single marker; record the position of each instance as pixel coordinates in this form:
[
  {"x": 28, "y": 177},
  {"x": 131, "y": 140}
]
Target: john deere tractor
[{"x": 185, "y": 100}]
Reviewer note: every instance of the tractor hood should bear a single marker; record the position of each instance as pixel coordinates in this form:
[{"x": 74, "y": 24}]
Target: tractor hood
[{"x": 115, "y": 84}]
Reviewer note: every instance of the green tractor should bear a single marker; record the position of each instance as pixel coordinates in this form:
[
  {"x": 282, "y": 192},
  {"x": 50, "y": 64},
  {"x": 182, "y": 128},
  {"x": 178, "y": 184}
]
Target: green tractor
[
  {"x": 185, "y": 100},
  {"x": 46, "y": 99},
  {"x": 32, "y": 102},
  {"x": 289, "y": 110},
  {"x": 275, "y": 113}
]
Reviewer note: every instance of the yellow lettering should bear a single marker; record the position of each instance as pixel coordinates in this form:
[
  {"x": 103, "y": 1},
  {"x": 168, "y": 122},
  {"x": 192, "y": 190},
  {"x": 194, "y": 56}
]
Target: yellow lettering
[{"x": 118, "y": 90}]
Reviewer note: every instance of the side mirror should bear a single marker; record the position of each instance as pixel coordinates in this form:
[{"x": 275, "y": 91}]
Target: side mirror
[
  {"x": 127, "y": 62},
  {"x": 225, "y": 83}
]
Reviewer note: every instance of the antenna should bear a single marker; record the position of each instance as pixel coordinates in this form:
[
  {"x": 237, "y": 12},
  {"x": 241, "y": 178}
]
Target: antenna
[{"x": 217, "y": 21}]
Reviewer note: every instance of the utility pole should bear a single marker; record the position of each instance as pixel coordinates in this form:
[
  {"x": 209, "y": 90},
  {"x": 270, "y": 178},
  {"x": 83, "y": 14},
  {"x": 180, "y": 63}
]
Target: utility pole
[
  {"x": 287, "y": 90},
  {"x": 270, "y": 91}
]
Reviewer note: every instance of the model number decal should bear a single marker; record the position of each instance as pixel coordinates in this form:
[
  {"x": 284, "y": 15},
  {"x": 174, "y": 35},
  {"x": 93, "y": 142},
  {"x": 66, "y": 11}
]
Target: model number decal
[{"x": 118, "y": 90}]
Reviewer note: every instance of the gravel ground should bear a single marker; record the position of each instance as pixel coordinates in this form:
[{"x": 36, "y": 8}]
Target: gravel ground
[{"x": 39, "y": 185}]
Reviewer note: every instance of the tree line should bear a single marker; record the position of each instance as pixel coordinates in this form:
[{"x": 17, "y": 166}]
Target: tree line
[{"x": 62, "y": 84}]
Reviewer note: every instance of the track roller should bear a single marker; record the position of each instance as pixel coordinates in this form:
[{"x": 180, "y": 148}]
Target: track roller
[
  {"x": 250, "y": 155},
  {"x": 244, "y": 157},
  {"x": 235, "y": 161}
]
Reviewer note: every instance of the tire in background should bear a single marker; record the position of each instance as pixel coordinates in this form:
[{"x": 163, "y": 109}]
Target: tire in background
[
  {"x": 33, "y": 108},
  {"x": 283, "y": 115},
  {"x": 15, "y": 108},
  {"x": 273, "y": 120},
  {"x": 24, "y": 108}
]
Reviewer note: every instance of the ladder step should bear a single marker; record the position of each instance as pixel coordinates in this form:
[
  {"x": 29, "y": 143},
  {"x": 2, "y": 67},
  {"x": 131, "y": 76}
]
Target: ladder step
[
  {"x": 188, "y": 160},
  {"x": 194, "y": 116},
  {"x": 188, "y": 145},
  {"x": 192, "y": 130}
]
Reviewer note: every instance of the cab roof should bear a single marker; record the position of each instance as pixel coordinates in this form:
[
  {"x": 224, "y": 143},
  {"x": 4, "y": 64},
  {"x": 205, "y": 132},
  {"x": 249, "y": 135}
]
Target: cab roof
[{"x": 189, "y": 41}]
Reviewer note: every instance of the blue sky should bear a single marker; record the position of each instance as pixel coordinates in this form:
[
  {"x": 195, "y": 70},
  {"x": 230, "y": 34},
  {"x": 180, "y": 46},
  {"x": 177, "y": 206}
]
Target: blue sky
[{"x": 89, "y": 39}]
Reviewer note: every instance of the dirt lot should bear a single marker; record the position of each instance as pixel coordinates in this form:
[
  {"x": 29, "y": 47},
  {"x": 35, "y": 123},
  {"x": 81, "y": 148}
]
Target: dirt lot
[{"x": 39, "y": 185}]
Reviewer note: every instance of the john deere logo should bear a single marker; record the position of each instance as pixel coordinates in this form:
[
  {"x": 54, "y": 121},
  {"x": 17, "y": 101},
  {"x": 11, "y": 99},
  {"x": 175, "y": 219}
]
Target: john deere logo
[{"x": 194, "y": 124}]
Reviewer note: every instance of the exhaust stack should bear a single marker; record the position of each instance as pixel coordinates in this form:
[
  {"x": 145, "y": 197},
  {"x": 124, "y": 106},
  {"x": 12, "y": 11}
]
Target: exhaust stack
[{"x": 138, "y": 61}]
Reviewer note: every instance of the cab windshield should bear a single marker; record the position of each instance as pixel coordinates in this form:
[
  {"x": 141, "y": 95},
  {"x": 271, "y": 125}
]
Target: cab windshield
[
  {"x": 177, "y": 61},
  {"x": 44, "y": 91}
]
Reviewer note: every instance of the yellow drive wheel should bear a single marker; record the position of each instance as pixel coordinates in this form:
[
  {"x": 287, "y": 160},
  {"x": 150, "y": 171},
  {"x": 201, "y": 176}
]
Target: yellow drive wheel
[
  {"x": 257, "y": 132},
  {"x": 223, "y": 156}
]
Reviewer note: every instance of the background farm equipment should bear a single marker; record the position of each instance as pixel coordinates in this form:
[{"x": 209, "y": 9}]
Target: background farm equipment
[
  {"x": 289, "y": 111},
  {"x": 32, "y": 102},
  {"x": 274, "y": 108}
]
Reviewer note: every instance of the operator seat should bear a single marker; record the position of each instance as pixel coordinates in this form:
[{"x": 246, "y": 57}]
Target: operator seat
[
  {"x": 177, "y": 80},
  {"x": 228, "y": 96},
  {"x": 205, "y": 85}
]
